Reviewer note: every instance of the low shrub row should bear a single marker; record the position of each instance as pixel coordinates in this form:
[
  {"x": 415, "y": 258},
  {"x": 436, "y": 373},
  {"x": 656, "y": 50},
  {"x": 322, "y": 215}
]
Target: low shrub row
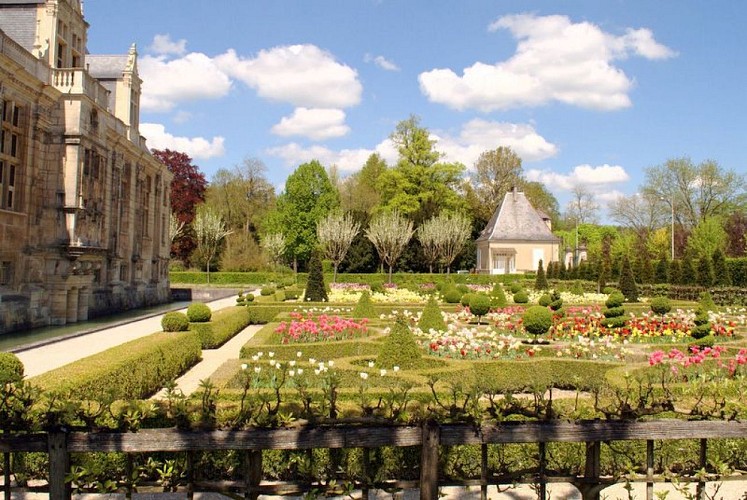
[
  {"x": 261, "y": 314},
  {"x": 223, "y": 326},
  {"x": 722, "y": 296},
  {"x": 321, "y": 351},
  {"x": 133, "y": 370}
]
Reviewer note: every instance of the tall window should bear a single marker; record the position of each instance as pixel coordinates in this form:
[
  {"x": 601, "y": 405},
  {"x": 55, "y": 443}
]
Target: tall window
[{"x": 11, "y": 149}]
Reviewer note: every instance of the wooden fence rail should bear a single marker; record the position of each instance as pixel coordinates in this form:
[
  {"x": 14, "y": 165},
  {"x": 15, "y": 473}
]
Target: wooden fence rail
[{"x": 430, "y": 436}]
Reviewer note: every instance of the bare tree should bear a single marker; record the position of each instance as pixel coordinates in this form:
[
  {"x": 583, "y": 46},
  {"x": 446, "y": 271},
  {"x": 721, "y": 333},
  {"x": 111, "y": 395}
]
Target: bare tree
[
  {"x": 274, "y": 245},
  {"x": 389, "y": 233},
  {"x": 210, "y": 231},
  {"x": 641, "y": 212},
  {"x": 454, "y": 233},
  {"x": 496, "y": 172},
  {"x": 335, "y": 233},
  {"x": 582, "y": 208}
]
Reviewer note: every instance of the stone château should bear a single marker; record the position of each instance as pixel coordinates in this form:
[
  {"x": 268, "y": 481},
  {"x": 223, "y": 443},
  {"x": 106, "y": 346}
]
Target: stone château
[{"x": 84, "y": 206}]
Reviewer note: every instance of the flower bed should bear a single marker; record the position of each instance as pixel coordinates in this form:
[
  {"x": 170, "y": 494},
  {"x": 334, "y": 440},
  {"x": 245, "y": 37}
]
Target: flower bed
[{"x": 310, "y": 328}]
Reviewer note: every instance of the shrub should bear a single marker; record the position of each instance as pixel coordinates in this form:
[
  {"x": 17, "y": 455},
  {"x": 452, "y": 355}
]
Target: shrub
[
  {"x": 627, "y": 282},
  {"x": 462, "y": 288},
  {"x": 613, "y": 312},
  {"x": 280, "y": 296},
  {"x": 431, "y": 318},
  {"x": 399, "y": 348},
  {"x": 175, "y": 322},
  {"x": 263, "y": 314},
  {"x": 377, "y": 286},
  {"x": 134, "y": 370},
  {"x": 268, "y": 290},
  {"x": 499, "y": 296},
  {"x": 706, "y": 341},
  {"x": 545, "y": 300},
  {"x": 537, "y": 320},
  {"x": 292, "y": 293},
  {"x": 608, "y": 290},
  {"x": 249, "y": 297},
  {"x": 721, "y": 274},
  {"x": 521, "y": 297},
  {"x": 464, "y": 301},
  {"x": 224, "y": 325},
  {"x": 706, "y": 301},
  {"x": 479, "y": 305},
  {"x": 240, "y": 299},
  {"x": 556, "y": 302},
  {"x": 315, "y": 289},
  {"x": 615, "y": 322},
  {"x": 364, "y": 308},
  {"x": 615, "y": 299},
  {"x": 452, "y": 296},
  {"x": 577, "y": 288},
  {"x": 515, "y": 287},
  {"x": 540, "y": 283},
  {"x": 198, "y": 313},
  {"x": 660, "y": 305},
  {"x": 11, "y": 368}
]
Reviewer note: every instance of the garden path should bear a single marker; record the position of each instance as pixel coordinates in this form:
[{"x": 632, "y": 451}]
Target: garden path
[{"x": 38, "y": 360}]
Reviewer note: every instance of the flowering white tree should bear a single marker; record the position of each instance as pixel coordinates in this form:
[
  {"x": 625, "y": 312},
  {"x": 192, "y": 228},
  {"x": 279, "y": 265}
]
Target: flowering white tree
[
  {"x": 274, "y": 245},
  {"x": 210, "y": 231},
  {"x": 389, "y": 233},
  {"x": 428, "y": 237},
  {"x": 335, "y": 233},
  {"x": 176, "y": 227},
  {"x": 454, "y": 231}
]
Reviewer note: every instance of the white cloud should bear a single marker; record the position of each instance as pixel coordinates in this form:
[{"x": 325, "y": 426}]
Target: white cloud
[
  {"x": 167, "y": 82},
  {"x": 314, "y": 123},
  {"x": 555, "y": 60},
  {"x": 382, "y": 62},
  {"x": 303, "y": 75},
  {"x": 182, "y": 117},
  {"x": 163, "y": 44},
  {"x": 347, "y": 160},
  {"x": 609, "y": 196},
  {"x": 196, "y": 147},
  {"x": 595, "y": 178},
  {"x": 477, "y": 136}
]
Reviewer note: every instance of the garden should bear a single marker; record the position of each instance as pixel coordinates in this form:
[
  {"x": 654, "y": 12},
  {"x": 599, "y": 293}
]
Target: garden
[{"x": 480, "y": 354}]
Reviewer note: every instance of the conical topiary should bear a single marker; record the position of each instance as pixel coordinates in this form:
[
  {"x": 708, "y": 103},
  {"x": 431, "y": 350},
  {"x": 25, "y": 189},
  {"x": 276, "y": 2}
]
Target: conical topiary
[
  {"x": 628, "y": 286},
  {"x": 498, "y": 296},
  {"x": 431, "y": 317},
  {"x": 315, "y": 289},
  {"x": 364, "y": 308},
  {"x": 688, "y": 271},
  {"x": 541, "y": 282},
  {"x": 706, "y": 302},
  {"x": 705, "y": 271},
  {"x": 399, "y": 349},
  {"x": 721, "y": 275}
]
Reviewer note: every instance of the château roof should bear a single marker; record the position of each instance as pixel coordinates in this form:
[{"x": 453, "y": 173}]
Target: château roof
[
  {"x": 516, "y": 219},
  {"x": 106, "y": 67}
]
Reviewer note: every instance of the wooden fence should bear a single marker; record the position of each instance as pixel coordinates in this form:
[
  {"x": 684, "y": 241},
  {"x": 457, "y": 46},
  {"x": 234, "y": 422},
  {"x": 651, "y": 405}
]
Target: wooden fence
[{"x": 429, "y": 436}]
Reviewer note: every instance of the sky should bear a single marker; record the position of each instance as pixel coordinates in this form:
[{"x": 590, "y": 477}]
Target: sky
[{"x": 587, "y": 92}]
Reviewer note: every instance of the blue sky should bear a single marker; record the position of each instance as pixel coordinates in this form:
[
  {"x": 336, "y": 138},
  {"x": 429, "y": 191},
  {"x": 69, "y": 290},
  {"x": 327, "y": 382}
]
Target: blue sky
[{"x": 587, "y": 92}]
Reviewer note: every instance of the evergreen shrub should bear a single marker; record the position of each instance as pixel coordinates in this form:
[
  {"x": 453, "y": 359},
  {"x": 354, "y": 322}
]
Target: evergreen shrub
[
  {"x": 224, "y": 325},
  {"x": 464, "y": 301},
  {"x": 540, "y": 282},
  {"x": 479, "y": 305},
  {"x": 521, "y": 297},
  {"x": 452, "y": 296},
  {"x": 175, "y": 322},
  {"x": 660, "y": 305},
  {"x": 399, "y": 348},
  {"x": 364, "y": 307},
  {"x": 627, "y": 282},
  {"x": 616, "y": 299},
  {"x": 706, "y": 301},
  {"x": 515, "y": 287},
  {"x": 545, "y": 300},
  {"x": 11, "y": 368},
  {"x": 268, "y": 290},
  {"x": 499, "y": 296},
  {"x": 315, "y": 289},
  {"x": 198, "y": 312},
  {"x": 431, "y": 318},
  {"x": 537, "y": 320},
  {"x": 705, "y": 272}
]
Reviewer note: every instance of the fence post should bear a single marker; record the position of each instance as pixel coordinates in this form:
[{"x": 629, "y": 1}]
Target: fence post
[
  {"x": 252, "y": 473},
  {"x": 650, "y": 469},
  {"x": 59, "y": 465},
  {"x": 542, "y": 467},
  {"x": 366, "y": 473},
  {"x": 6, "y": 475},
  {"x": 484, "y": 471},
  {"x": 429, "y": 461},
  {"x": 592, "y": 471},
  {"x": 700, "y": 490}
]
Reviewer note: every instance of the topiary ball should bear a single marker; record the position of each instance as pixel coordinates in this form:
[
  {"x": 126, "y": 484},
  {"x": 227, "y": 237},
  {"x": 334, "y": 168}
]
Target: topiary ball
[
  {"x": 521, "y": 297},
  {"x": 515, "y": 287},
  {"x": 198, "y": 312},
  {"x": 537, "y": 320},
  {"x": 545, "y": 300},
  {"x": 660, "y": 305},
  {"x": 479, "y": 304},
  {"x": 175, "y": 322},
  {"x": 465, "y": 299},
  {"x": 609, "y": 290},
  {"x": 11, "y": 368},
  {"x": 268, "y": 290},
  {"x": 248, "y": 298},
  {"x": 452, "y": 296},
  {"x": 615, "y": 300}
]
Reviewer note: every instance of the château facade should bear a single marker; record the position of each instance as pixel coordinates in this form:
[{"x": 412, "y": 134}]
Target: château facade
[{"x": 84, "y": 206}]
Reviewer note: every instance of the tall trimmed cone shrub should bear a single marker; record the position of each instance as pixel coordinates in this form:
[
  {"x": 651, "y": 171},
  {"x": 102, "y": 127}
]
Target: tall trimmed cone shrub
[
  {"x": 721, "y": 275},
  {"x": 628, "y": 286},
  {"x": 364, "y": 308},
  {"x": 400, "y": 348},
  {"x": 315, "y": 289},
  {"x": 541, "y": 282},
  {"x": 705, "y": 271},
  {"x": 432, "y": 317}
]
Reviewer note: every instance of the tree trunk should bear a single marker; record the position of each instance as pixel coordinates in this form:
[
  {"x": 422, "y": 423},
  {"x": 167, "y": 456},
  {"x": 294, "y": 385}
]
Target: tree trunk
[
  {"x": 390, "y": 274},
  {"x": 334, "y": 274},
  {"x": 430, "y": 268},
  {"x": 208, "y": 271}
]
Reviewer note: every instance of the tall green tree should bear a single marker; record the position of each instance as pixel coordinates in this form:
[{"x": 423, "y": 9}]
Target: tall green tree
[
  {"x": 308, "y": 197},
  {"x": 707, "y": 237}
]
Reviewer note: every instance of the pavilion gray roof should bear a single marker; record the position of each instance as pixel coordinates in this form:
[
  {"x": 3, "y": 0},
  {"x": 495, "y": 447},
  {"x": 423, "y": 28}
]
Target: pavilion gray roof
[
  {"x": 106, "y": 67},
  {"x": 516, "y": 219}
]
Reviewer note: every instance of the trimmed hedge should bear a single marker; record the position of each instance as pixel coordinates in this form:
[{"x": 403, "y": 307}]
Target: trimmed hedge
[
  {"x": 175, "y": 321},
  {"x": 134, "y": 370},
  {"x": 199, "y": 312},
  {"x": 261, "y": 314},
  {"x": 224, "y": 325},
  {"x": 518, "y": 376}
]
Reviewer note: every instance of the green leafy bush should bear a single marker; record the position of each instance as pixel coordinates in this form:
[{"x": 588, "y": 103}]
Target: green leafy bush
[
  {"x": 499, "y": 296},
  {"x": 315, "y": 289},
  {"x": 292, "y": 293},
  {"x": 613, "y": 312},
  {"x": 515, "y": 287},
  {"x": 399, "y": 348},
  {"x": 268, "y": 290},
  {"x": 521, "y": 297},
  {"x": 431, "y": 318},
  {"x": 462, "y": 288},
  {"x": 660, "y": 305},
  {"x": 545, "y": 300},
  {"x": 706, "y": 301},
  {"x": 479, "y": 305},
  {"x": 364, "y": 308},
  {"x": 224, "y": 325},
  {"x": 175, "y": 321},
  {"x": 537, "y": 320},
  {"x": 615, "y": 299},
  {"x": 11, "y": 368},
  {"x": 577, "y": 288},
  {"x": 452, "y": 296},
  {"x": 198, "y": 312},
  {"x": 280, "y": 296},
  {"x": 134, "y": 370},
  {"x": 609, "y": 290},
  {"x": 556, "y": 302},
  {"x": 707, "y": 340},
  {"x": 249, "y": 297},
  {"x": 615, "y": 322},
  {"x": 464, "y": 301}
]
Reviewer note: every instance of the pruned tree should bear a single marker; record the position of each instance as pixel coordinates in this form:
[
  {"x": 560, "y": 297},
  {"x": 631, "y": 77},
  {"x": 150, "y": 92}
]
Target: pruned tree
[
  {"x": 389, "y": 232},
  {"x": 335, "y": 233},
  {"x": 210, "y": 231},
  {"x": 454, "y": 231},
  {"x": 428, "y": 236},
  {"x": 176, "y": 227},
  {"x": 274, "y": 245}
]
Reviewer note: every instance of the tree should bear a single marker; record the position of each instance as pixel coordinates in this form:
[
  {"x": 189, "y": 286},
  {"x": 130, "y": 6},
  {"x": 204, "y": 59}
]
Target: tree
[
  {"x": 389, "y": 232},
  {"x": 176, "y": 227},
  {"x": 641, "y": 212},
  {"x": 210, "y": 231},
  {"x": 707, "y": 237},
  {"x": 688, "y": 276},
  {"x": 705, "y": 271},
  {"x": 582, "y": 208},
  {"x": 496, "y": 172},
  {"x": 721, "y": 275},
  {"x": 453, "y": 233},
  {"x": 335, "y": 233},
  {"x": 541, "y": 282},
  {"x": 274, "y": 245},
  {"x": 698, "y": 192},
  {"x": 359, "y": 192},
  {"x": 308, "y": 198},
  {"x": 628, "y": 286},
  {"x": 316, "y": 291},
  {"x": 662, "y": 270},
  {"x": 428, "y": 235},
  {"x": 187, "y": 193},
  {"x": 736, "y": 230}
]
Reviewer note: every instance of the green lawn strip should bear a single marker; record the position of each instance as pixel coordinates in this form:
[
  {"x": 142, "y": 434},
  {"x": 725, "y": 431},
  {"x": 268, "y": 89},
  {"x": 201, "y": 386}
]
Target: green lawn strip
[
  {"x": 134, "y": 370},
  {"x": 223, "y": 325}
]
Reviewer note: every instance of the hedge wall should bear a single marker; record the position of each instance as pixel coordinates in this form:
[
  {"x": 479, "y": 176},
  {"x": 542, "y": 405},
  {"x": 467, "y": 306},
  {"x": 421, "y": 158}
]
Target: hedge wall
[
  {"x": 223, "y": 326},
  {"x": 723, "y": 296},
  {"x": 134, "y": 370}
]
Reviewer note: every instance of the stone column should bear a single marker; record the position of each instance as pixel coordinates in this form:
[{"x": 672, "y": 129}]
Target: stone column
[{"x": 72, "y": 305}]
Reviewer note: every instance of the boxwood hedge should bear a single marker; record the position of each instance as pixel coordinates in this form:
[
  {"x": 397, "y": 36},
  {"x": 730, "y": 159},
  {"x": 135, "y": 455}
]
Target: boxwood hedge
[
  {"x": 223, "y": 326},
  {"x": 134, "y": 370}
]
